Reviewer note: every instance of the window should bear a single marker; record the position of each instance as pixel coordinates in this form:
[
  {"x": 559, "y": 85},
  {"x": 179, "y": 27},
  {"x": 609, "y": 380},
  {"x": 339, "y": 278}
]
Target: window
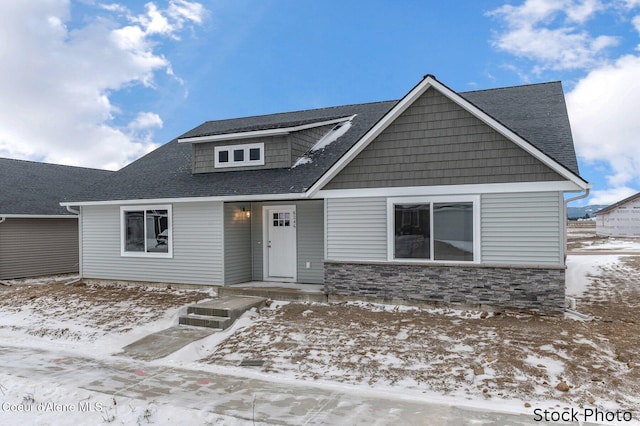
[
  {"x": 239, "y": 155},
  {"x": 146, "y": 231},
  {"x": 282, "y": 219},
  {"x": 423, "y": 229}
]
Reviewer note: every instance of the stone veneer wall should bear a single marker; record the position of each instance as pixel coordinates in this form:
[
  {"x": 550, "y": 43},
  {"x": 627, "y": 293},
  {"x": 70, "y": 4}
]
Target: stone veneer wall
[{"x": 537, "y": 288}]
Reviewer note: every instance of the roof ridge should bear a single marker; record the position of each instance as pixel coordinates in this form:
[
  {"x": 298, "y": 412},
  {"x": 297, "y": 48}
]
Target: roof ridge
[
  {"x": 54, "y": 164},
  {"x": 300, "y": 111},
  {"x": 511, "y": 87}
]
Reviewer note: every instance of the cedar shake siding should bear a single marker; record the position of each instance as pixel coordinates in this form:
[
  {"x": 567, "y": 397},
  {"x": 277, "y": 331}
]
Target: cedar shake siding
[
  {"x": 35, "y": 247},
  {"x": 436, "y": 142}
]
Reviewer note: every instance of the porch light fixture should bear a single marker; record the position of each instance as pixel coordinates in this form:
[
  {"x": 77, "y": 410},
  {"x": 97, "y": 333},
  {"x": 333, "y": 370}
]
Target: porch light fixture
[{"x": 246, "y": 212}]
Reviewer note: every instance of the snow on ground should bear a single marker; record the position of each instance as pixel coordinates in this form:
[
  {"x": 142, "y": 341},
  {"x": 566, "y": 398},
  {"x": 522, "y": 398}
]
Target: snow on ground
[
  {"x": 505, "y": 360},
  {"x": 27, "y": 402},
  {"x": 581, "y": 269}
]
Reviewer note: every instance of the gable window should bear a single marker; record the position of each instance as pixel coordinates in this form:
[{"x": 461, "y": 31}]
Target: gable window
[
  {"x": 146, "y": 231},
  {"x": 239, "y": 155},
  {"x": 438, "y": 229}
]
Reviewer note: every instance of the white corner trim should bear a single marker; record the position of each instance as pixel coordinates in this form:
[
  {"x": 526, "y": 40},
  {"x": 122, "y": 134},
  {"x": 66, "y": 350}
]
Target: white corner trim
[
  {"x": 408, "y": 99},
  {"x": 261, "y": 133},
  {"x": 440, "y": 190}
]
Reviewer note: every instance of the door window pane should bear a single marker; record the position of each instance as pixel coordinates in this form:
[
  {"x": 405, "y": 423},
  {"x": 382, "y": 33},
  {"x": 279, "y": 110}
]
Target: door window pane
[
  {"x": 238, "y": 155},
  {"x": 453, "y": 231},
  {"x": 223, "y": 156},
  {"x": 412, "y": 231}
]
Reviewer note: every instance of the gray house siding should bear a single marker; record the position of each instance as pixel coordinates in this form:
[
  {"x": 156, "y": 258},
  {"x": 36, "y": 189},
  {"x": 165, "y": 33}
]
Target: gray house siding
[
  {"x": 237, "y": 243},
  {"x": 436, "y": 142},
  {"x": 309, "y": 239},
  {"x": 33, "y": 247},
  {"x": 522, "y": 228},
  {"x": 357, "y": 229},
  {"x": 277, "y": 154},
  {"x": 197, "y": 247}
]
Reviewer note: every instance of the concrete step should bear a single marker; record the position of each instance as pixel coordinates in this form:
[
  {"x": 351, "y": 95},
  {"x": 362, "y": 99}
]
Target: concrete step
[
  {"x": 208, "y": 321},
  {"x": 228, "y": 306},
  {"x": 274, "y": 293},
  {"x": 220, "y": 313}
]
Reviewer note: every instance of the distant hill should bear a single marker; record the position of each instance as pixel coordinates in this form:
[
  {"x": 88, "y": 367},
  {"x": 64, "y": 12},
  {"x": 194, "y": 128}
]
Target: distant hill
[{"x": 584, "y": 212}]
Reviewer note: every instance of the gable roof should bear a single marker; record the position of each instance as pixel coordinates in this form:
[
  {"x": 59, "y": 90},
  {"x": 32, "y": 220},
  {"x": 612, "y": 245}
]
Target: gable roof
[
  {"x": 618, "y": 204},
  {"x": 29, "y": 188},
  {"x": 166, "y": 172}
]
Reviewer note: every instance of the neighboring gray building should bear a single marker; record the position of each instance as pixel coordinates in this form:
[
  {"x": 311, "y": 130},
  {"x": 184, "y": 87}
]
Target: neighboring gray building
[
  {"x": 440, "y": 196},
  {"x": 621, "y": 219},
  {"x": 37, "y": 235}
]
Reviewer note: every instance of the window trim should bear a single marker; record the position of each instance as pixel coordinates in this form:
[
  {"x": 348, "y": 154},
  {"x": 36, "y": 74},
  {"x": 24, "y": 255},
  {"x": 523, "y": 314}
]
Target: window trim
[
  {"x": 391, "y": 202},
  {"x": 232, "y": 163},
  {"x": 123, "y": 231}
]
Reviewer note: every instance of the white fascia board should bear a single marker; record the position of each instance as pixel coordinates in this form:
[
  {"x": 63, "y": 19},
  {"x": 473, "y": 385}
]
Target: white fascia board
[
  {"x": 261, "y": 133},
  {"x": 39, "y": 216},
  {"x": 487, "y": 188},
  {"x": 226, "y": 198},
  {"x": 405, "y": 102}
]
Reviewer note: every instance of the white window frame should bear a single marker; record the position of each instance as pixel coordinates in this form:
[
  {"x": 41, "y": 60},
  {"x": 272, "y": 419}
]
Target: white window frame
[
  {"x": 232, "y": 163},
  {"x": 123, "y": 231},
  {"x": 391, "y": 202}
]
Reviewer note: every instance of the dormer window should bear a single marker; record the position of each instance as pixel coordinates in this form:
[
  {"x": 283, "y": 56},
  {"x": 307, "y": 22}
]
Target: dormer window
[{"x": 239, "y": 155}]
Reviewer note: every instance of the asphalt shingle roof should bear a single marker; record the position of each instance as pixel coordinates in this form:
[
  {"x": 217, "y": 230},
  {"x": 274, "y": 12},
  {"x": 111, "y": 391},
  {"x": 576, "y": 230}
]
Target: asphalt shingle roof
[
  {"x": 535, "y": 112},
  {"x": 31, "y": 188}
]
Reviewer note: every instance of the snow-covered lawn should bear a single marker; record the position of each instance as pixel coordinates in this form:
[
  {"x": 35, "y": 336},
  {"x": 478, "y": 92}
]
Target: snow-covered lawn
[{"x": 507, "y": 360}]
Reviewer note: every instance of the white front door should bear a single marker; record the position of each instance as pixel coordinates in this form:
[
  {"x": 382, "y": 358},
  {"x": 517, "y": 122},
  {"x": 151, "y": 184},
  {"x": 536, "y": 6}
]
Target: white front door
[{"x": 280, "y": 243}]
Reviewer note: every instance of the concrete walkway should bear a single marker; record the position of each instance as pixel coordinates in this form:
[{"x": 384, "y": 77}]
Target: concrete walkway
[{"x": 282, "y": 402}]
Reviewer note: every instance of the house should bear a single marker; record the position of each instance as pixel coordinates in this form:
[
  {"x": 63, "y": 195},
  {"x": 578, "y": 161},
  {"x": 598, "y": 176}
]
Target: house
[
  {"x": 37, "y": 235},
  {"x": 621, "y": 219},
  {"x": 440, "y": 196}
]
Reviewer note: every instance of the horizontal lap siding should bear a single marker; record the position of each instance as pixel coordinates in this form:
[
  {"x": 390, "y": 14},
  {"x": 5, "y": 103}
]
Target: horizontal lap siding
[
  {"x": 237, "y": 243},
  {"x": 522, "y": 228},
  {"x": 357, "y": 229},
  {"x": 33, "y": 247},
  {"x": 197, "y": 247}
]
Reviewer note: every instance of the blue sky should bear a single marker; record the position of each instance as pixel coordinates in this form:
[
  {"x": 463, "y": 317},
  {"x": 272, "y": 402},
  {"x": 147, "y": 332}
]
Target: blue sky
[{"x": 99, "y": 84}]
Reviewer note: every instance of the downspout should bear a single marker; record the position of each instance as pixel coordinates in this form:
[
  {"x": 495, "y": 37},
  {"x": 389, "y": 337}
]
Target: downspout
[
  {"x": 566, "y": 202},
  {"x": 77, "y": 212},
  {"x": 2, "y": 219},
  {"x": 572, "y": 301}
]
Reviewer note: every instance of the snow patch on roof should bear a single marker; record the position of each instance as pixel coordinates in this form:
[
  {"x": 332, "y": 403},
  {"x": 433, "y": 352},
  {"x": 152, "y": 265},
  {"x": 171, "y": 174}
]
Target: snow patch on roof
[
  {"x": 302, "y": 160},
  {"x": 333, "y": 134}
]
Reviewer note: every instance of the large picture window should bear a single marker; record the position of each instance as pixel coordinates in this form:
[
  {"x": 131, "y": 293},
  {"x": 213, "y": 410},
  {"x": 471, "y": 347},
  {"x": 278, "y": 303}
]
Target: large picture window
[
  {"x": 146, "y": 231},
  {"x": 432, "y": 230}
]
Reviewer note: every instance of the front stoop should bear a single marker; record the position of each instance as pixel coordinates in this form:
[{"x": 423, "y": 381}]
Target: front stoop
[{"x": 220, "y": 313}]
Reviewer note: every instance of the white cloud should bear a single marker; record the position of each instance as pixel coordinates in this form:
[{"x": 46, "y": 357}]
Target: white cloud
[
  {"x": 603, "y": 108},
  {"x": 57, "y": 83},
  {"x": 611, "y": 196},
  {"x": 548, "y": 32}
]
